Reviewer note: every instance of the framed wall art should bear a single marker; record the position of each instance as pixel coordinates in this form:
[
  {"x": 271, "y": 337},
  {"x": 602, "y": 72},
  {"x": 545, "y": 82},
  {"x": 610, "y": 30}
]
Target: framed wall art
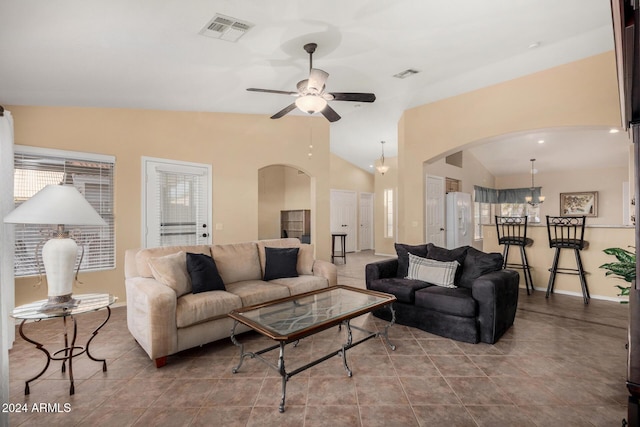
[{"x": 579, "y": 204}]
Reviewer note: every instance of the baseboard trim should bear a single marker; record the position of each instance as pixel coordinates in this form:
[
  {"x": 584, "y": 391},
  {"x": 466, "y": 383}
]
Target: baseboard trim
[{"x": 579, "y": 294}]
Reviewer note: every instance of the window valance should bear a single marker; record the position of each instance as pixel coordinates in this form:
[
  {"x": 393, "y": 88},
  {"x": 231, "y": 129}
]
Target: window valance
[{"x": 505, "y": 195}]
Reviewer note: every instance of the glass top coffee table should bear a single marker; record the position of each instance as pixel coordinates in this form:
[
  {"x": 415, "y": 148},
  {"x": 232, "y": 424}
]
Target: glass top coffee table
[{"x": 288, "y": 320}]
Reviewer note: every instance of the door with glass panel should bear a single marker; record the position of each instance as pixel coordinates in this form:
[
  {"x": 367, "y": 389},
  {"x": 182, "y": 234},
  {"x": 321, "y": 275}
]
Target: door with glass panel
[{"x": 176, "y": 203}]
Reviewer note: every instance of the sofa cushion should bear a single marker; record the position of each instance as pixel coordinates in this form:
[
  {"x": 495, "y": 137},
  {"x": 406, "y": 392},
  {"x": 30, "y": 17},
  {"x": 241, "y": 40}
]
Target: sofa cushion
[
  {"x": 280, "y": 262},
  {"x": 454, "y": 301},
  {"x": 142, "y": 257},
  {"x": 478, "y": 263},
  {"x": 256, "y": 291},
  {"x": 305, "y": 254},
  {"x": 171, "y": 270},
  {"x": 237, "y": 262},
  {"x": 197, "y": 308},
  {"x": 203, "y": 273},
  {"x": 403, "y": 289},
  {"x": 403, "y": 252},
  {"x": 301, "y": 284},
  {"x": 442, "y": 254},
  {"x": 440, "y": 273}
]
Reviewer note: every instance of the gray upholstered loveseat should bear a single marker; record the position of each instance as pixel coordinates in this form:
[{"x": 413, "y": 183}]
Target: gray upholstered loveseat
[
  {"x": 481, "y": 307},
  {"x": 166, "y": 315}
]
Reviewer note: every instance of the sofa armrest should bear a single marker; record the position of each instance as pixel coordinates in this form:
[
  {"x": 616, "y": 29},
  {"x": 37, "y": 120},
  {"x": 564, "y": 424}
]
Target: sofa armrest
[
  {"x": 381, "y": 270},
  {"x": 327, "y": 270},
  {"x": 151, "y": 316},
  {"x": 497, "y": 297}
]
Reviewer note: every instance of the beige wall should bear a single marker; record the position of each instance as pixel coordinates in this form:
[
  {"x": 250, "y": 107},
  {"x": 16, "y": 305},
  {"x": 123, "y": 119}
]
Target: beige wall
[
  {"x": 236, "y": 145},
  {"x": 297, "y": 189},
  {"x": 581, "y": 93},
  {"x": 607, "y": 182}
]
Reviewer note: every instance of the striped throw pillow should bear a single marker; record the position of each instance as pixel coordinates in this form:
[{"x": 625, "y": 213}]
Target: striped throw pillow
[{"x": 435, "y": 272}]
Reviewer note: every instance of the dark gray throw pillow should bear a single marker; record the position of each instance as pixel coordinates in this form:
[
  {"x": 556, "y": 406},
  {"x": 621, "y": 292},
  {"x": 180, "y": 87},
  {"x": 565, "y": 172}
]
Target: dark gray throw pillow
[
  {"x": 203, "y": 273},
  {"x": 280, "y": 263},
  {"x": 403, "y": 252},
  {"x": 478, "y": 263},
  {"x": 448, "y": 255}
]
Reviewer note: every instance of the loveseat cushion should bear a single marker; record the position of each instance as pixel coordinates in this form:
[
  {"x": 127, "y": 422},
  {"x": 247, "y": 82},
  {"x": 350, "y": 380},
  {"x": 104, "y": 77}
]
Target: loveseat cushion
[
  {"x": 237, "y": 262},
  {"x": 305, "y": 253},
  {"x": 142, "y": 257},
  {"x": 403, "y": 252},
  {"x": 203, "y": 273},
  {"x": 439, "y": 273},
  {"x": 171, "y": 270},
  {"x": 454, "y": 301},
  {"x": 403, "y": 289},
  {"x": 301, "y": 284},
  {"x": 256, "y": 291},
  {"x": 280, "y": 263},
  {"x": 192, "y": 309},
  {"x": 478, "y": 263},
  {"x": 447, "y": 255}
]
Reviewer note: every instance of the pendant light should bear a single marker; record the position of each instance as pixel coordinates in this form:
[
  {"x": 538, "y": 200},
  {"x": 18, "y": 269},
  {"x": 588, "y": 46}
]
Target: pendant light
[
  {"x": 382, "y": 168},
  {"x": 529, "y": 199}
]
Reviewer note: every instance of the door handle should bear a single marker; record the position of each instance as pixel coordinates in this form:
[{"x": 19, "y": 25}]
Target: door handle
[{"x": 441, "y": 229}]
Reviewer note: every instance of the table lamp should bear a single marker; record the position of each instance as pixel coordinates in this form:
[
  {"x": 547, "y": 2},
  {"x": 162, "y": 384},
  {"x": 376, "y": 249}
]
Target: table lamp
[{"x": 60, "y": 205}]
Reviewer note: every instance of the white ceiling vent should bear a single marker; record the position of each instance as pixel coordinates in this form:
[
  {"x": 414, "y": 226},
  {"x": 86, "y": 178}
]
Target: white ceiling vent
[
  {"x": 226, "y": 28},
  {"x": 406, "y": 73}
]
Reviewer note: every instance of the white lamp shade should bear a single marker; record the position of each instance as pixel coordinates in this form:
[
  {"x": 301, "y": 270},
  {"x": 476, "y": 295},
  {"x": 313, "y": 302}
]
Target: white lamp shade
[
  {"x": 56, "y": 204},
  {"x": 311, "y": 103}
]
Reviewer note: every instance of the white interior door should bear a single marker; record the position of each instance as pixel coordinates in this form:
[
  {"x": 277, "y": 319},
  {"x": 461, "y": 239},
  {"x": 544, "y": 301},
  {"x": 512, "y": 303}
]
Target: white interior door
[
  {"x": 366, "y": 221},
  {"x": 434, "y": 210},
  {"x": 176, "y": 203},
  {"x": 344, "y": 216}
]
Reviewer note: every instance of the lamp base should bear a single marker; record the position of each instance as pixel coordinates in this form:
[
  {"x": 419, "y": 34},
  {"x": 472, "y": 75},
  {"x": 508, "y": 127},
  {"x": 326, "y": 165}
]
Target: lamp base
[{"x": 59, "y": 303}]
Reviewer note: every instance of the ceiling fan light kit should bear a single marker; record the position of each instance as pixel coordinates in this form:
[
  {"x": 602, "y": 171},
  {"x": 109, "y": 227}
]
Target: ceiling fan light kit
[
  {"x": 311, "y": 95},
  {"x": 311, "y": 103}
]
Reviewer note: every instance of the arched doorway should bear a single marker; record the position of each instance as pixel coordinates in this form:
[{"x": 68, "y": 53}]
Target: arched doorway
[{"x": 281, "y": 188}]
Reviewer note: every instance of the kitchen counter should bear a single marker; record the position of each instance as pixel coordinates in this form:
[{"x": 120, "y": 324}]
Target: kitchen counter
[{"x": 540, "y": 257}]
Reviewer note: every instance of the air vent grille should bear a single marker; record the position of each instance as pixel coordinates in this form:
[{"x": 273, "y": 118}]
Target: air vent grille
[{"x": 226, "y": 28}]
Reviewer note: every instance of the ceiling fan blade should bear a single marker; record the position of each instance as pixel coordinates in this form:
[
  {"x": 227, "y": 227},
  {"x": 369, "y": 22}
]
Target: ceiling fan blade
[
  {"x": 330, "y": 114},
  {"x": 317, "y": 79},
  {"x": 281, "y": 92},
  {"x": 353, "y": 96},
  {"x": 284, "y": 111}
]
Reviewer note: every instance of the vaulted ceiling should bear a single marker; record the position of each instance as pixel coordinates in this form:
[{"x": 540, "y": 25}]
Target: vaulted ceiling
[{"x": 149, "y": 54}]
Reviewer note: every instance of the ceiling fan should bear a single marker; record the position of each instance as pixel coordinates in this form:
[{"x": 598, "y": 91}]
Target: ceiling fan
[{"x": 311, "y": 95}]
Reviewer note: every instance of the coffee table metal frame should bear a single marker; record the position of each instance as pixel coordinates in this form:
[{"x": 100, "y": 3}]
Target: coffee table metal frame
[
  {"x": 342, "y": 319},
  {"x": 86, "y": 303}
]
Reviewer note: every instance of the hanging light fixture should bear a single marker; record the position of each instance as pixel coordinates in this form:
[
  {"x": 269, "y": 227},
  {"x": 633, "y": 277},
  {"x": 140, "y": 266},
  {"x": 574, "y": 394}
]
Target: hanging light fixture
[
  {"x": 382, "y": 168},
  {"x": 529, "y": 199}
]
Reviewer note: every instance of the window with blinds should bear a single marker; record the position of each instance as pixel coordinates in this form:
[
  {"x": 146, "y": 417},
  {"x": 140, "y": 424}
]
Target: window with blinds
[
  {"x": 92, "y": 175},
  {"x": 176, "y": 203}
]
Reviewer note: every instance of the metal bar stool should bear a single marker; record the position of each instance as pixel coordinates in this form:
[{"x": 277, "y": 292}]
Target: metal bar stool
[
  {"x": 343, "y": 241},
  {"x": 512, "y": 231},
  {"x": 567, "y": 233}
]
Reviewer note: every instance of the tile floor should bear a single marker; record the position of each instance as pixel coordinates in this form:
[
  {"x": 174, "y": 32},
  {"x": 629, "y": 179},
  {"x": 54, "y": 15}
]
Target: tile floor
[{"x": 561, "y": 364}]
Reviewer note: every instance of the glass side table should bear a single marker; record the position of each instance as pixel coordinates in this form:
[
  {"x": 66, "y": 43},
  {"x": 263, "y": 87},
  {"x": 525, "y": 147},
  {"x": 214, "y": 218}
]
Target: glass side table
[{"x": 86, "y": 303}]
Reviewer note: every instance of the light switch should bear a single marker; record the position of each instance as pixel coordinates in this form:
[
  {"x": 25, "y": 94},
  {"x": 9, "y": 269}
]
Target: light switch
[{"x": 219, "y": 226}]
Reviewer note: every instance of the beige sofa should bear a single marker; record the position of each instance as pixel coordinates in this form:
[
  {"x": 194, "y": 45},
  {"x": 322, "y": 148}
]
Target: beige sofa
[{"x": 165, "y": 317}]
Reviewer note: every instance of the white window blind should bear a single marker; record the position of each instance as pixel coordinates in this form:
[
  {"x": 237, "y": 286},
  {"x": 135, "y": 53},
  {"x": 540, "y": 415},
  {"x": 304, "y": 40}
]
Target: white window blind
[
  {"x": 181, "y": 217},
  {"x": 92, "y": 175}
]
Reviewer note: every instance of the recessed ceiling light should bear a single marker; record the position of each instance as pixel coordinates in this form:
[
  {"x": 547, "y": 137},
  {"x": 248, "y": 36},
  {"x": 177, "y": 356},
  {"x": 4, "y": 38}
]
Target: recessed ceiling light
[
  {"x": 614, "y": 130},
  {"x": 534, "y": 45},
  {"x": 541, "y": 141}
]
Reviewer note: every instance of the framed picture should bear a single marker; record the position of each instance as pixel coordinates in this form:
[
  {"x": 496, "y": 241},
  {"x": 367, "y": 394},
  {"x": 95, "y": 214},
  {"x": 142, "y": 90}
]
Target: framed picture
[{"x": 579, "y": 204}]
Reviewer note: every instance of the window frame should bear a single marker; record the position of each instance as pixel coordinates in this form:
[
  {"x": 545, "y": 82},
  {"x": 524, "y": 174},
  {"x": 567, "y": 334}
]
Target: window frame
[{"x": 99, "y": 254}]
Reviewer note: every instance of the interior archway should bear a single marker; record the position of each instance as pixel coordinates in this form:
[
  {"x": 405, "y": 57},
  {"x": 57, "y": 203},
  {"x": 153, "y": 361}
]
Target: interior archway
[{"x": 281, "y": 188}]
